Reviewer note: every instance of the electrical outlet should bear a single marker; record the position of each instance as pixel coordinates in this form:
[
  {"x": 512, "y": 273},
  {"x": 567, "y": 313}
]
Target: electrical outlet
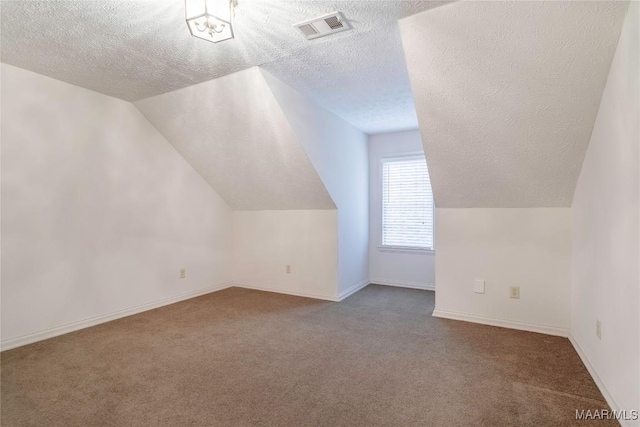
[
  {"x": 514, "y": 292},
  {"x": 478, "y": 286},
  {"x": 183, "y": 273},
  {"x": 288, "y": 269},
  {"x": 598, "y": 329}
]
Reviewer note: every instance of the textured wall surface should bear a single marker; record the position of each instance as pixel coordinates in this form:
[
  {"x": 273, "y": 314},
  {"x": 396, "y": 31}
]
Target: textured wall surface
[
  {"x": 234, "y": 133},
  {"x": 137, "y": 49},
  {"x": 506, "y": 95},
  {"x": 99, "y": 212},
  {"x": 606, "y": 227}
]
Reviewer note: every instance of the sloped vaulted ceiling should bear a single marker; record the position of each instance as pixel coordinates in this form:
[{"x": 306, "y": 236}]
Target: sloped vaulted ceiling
[
  {"x": 506, "y": 95},
  {"x": 234, "y": 133},
  {"x": 135, "y": 49}
]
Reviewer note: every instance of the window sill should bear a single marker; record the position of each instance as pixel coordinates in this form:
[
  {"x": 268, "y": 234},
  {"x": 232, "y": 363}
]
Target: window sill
[{"x": 406, "y": 249}]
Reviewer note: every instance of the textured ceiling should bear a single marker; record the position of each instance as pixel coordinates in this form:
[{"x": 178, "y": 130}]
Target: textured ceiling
[
  {"x": 234, "y": 133},
  {"x": 363, "y": 81},
  {"x": 137, "y": 49},
  {"x": 506, "y": 95}
]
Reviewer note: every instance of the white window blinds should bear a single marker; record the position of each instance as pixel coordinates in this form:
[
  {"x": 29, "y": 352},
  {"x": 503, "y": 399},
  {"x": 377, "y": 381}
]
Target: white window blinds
[{"x": 407, "y": 203}]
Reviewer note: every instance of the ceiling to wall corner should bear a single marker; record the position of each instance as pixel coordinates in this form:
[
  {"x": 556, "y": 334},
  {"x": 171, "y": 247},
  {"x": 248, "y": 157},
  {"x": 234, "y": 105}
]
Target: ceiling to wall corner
[
  {"x": 234, "y": 133},
  {"x": 138, "y": 49},
  {"x": 507, "y": 94}
]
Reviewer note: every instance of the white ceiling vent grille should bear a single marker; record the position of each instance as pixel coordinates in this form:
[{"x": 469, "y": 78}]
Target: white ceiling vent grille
[{"x": 323, "y": 25}]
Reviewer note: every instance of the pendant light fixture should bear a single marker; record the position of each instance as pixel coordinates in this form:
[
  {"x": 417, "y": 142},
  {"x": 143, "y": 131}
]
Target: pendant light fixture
[{"x": 211, "y": 20}]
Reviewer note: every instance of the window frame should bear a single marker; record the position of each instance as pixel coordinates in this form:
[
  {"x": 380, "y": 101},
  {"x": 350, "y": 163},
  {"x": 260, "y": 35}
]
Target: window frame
[{"x": 395, "y": 248}]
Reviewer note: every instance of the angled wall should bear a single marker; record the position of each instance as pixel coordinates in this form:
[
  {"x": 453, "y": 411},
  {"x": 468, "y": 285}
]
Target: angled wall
[
  {"x": 99, "y": 212},
  {"x": 338, "y": 152},
  {"x": 506, "y": 95},
  {"x": 236, "y": 135},
  {"x": 232, "y": 131},
  {"x": 606, "y": 232}
]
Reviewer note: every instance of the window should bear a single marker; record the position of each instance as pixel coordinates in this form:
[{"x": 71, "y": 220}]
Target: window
[{"x": 407, "y": 203}]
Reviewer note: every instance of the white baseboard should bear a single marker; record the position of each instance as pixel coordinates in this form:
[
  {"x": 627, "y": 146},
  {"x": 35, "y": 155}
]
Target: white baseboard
[
  {"x": 302, "y": 293},
  {"x": 598, "y": 380},
  {"x": 503, "y": 323},
  {"x": 92, "y": 321},
  {"x": 353, "y": 289},
  {"x": 294, "y": 292},
  {"x": 401, "y": 284}
]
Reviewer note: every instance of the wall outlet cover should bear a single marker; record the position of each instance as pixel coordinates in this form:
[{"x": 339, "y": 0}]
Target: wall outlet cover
[
  {"x": 514, "y": 292},
  {"x": 478, "y": 286}
]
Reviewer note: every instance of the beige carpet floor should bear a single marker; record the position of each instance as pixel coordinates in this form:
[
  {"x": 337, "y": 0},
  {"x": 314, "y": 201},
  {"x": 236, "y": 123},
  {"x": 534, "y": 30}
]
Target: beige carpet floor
[{"x": 247, "y": 358}]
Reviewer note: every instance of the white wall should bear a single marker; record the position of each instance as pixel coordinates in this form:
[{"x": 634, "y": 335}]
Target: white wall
[
  {"x": 99, "y": 212},
  {"x": 248, "y": 151},
  {"x": 265, "y": 242},
  {"x": 338, "y": 151},
  {"x": 414, "y": 269},
  {"x": 606, "y": 254},
  {"x": 528, "y": 247}
]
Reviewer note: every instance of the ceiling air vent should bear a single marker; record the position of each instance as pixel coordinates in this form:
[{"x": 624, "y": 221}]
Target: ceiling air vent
[{"x": 323, "y": 25}]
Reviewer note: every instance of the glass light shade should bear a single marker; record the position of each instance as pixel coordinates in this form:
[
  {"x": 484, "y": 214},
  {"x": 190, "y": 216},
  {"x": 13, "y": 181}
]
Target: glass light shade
[{"x": 210, "y": 20}]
